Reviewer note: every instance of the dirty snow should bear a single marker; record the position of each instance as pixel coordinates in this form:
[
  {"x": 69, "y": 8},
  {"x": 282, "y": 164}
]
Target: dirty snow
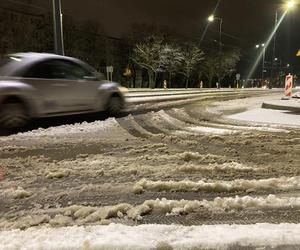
[
  {"x": 146, "y": 237},
  {"x": 179, "y": 164},
  {"x": 282, "y": 183}
]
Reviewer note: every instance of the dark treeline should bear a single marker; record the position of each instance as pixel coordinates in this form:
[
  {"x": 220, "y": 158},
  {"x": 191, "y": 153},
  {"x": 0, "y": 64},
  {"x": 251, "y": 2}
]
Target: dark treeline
[{"x": 147, "y": 56}]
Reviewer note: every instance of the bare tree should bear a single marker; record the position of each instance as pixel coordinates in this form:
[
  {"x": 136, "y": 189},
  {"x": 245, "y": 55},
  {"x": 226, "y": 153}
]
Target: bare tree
[
  {"x": 220, "y": 65},
  {"x": 146, "y": 54},
  {"x": 171, "y": 59},
  {"x": 192, "y": 56}
]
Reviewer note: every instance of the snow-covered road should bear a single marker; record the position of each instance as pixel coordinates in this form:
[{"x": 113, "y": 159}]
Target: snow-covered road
[{"x": 188, "y": 165}]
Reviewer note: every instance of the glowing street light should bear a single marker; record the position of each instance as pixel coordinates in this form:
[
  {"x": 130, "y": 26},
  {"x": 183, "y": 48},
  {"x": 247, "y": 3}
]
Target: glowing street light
[
  {"x": 290, "y": 4},
  {"x": 211, "y": 18}
]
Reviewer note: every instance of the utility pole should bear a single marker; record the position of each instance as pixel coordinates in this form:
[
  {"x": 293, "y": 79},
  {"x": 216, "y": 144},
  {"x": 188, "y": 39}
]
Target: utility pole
[
  {"x": 274, "y": 46},
  {"x": 263, "y": 64},
  {"x": 58, "y": 28}
]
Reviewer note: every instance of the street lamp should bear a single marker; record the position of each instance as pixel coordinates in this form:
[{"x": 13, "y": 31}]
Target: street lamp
[
  {"x": 58, "y": 27},
  {"x": 263, "y": 59},
  {"x": 211, "y": 19},
  {"x": 287, "y": 7},
  {"x": 290, "y": 4}
]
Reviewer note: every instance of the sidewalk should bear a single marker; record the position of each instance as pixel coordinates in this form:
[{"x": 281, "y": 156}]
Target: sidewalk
[{"x": 288, "y": 105}]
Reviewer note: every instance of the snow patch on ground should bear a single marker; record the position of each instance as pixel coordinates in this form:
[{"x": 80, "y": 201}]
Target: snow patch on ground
[
  {"x": 269, "y": 116},
  {"x": 196, "y": 129},
  {"x": 144, "y": 237},
  {"x": 82, "y": 215},
  {"x": 13, "y": 149},
  {"x": 190, "y": 168},
  {"x": 283, "y": 183},
  {"x": 17, "y": 193},
  {"x": 109, "y": 128}
]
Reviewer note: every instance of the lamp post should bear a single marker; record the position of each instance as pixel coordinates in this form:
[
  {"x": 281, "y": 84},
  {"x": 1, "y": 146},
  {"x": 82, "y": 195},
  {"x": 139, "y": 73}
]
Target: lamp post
[
  {"x": 288, "y": 6},
  {"x": 263, "y": 59},
  {"x": 211, "y": 19},
  {"x": 58, "y": 29}
]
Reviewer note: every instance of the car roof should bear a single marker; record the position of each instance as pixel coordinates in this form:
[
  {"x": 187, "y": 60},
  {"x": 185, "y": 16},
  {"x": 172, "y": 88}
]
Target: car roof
[
  {"x": 24, "y": 60},
  {"x": 38, "y": 56}
]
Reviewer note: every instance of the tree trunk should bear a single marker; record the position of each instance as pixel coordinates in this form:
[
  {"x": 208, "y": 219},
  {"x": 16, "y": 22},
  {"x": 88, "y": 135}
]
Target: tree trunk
[
  {"x": 149, "y": 78},
  {"x": 170, "y": 79},
  {"x": 187, "y": 81},
  {"x": 210, "y": 82}
]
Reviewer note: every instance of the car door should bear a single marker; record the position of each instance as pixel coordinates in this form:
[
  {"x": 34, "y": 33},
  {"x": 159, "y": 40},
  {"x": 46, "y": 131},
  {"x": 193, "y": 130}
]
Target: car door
[
  {"x": 61, "y": 86},
  {"x": 84, "y": 86},
  {"x": 47, "y": 77}
]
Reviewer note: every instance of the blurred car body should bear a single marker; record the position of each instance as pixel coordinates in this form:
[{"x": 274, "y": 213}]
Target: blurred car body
[{"x": 43, "y": 85}]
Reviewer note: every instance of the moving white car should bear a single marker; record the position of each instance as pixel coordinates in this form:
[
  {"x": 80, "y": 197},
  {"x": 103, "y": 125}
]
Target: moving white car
[{"x": 43, "y": 85}]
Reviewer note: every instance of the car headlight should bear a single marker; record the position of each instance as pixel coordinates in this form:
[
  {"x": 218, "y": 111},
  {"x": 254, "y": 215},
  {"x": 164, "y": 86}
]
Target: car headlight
[{"x": 123, "y": 89}]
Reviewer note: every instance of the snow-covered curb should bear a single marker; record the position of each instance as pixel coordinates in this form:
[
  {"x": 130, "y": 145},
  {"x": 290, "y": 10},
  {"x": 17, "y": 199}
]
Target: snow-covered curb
[{"x": 117, "y": 236}]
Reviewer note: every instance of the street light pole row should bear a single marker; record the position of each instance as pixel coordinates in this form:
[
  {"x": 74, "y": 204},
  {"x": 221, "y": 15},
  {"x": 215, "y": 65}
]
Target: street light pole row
[{"x": 288, "y": 6}]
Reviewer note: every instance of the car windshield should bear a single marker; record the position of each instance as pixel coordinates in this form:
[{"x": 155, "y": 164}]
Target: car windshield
[{"x": 7, "y": 64}]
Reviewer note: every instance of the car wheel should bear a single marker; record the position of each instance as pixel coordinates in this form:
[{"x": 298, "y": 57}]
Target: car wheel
[
  {"x": 115, "y": 105},
  {"x": 13, "y": 115}
]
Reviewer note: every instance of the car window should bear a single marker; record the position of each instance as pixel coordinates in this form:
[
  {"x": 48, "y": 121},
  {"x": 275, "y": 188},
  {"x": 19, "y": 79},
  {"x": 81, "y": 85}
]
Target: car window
[
  {"x": 80, "y": 72},
  {"x": 59, "y": 69},
  {"x": 51, "y": 69}
]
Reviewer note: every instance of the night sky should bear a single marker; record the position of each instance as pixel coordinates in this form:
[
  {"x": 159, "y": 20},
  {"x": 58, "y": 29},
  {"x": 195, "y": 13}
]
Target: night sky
[{"x": 246, "y": 22}]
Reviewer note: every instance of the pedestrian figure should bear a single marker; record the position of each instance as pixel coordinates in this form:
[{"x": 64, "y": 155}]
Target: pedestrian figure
[
  {"x": 201, "y": 85},
  {"x": 165, "y": 84}
]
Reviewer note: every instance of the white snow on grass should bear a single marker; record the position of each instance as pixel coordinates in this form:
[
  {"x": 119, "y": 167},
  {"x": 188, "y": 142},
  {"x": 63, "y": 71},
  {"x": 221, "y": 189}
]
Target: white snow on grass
[
  {"x": 145, "y": 237},
  {"x": 282, "y": 183}
]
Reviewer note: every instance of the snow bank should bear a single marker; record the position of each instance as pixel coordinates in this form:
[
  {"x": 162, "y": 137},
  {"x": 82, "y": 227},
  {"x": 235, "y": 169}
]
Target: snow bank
[
  {"x": 283, "y": 183},
  {"x": 190, "y": 168},
  {"x": 109, "y": 128},
  {"x": 264, "y": 128},
  {"x": 196, "y": 129},
  {"x": 82, "y": 215},
  {"x": 146, "y": 237}
]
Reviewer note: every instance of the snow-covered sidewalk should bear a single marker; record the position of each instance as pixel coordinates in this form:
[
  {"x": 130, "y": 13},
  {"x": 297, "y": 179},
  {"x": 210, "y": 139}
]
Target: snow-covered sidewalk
[{"x": 116, "y": 236}]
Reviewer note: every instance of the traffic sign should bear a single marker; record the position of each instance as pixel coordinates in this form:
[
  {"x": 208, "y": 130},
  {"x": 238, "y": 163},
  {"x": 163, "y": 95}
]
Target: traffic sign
[{"x": 298, "y": 53}]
